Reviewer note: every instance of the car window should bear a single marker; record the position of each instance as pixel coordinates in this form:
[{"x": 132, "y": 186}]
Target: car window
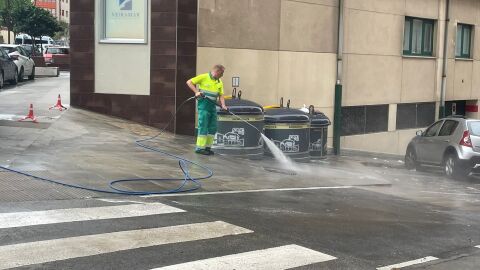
[
  {"x": 58, "y": 50},
  {"x": 433, "y": 129},
  {"x": 448, "y": 128},
  {"x": 28, "y": 49},
  {"x": 3, "y": 54},
  {"x": 9, "y": 50},
  {"x": 474, "y": 128},
  {"x": 22, "y": 51}
]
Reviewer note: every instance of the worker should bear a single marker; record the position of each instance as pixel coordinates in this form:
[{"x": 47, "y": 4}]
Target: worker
[{"x": 210, "y": 89}]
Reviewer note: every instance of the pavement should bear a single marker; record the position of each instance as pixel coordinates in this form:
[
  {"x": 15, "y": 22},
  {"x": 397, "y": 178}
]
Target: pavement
[{"x": 346, "y": 212}]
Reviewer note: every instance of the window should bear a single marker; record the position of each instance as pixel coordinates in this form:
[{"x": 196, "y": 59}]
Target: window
[
  {"x": 415, "y": 115},
  {"x": 464, "y": 41},
  {"x": 474, "y": 128},
  {"x": 364, "y": 119},
  {"x": 3, "y": 54},
  {"x": 9, "y": 50},
  {"x": 67, "y": 13},
  {"x": 53, "y": 50},
  {"x": 22, "y": 51},
  {"x": 448, "y": 128},
  {"x": 418, "y": 37},
  {"x": 63, "y": 12},
  {"x": 432, "y": 130}
]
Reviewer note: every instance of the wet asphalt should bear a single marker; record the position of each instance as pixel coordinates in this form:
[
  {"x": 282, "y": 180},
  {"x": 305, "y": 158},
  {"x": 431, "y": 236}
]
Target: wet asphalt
[{"x": 368, "y": 212}]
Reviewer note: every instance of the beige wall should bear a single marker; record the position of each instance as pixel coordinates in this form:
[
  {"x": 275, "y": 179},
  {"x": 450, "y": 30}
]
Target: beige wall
[
  {"x": 287, "y": 52},
  {"x": 290, "y": 52},
  {"x": 392, "y": 142},
  {"x": 375, "y": 70},
  {"x": 257, "y": 69},
  {"x": 308, "y": 27},
  {"x": 4, "y": 36},
  {"x": 464, "y": 74},
  {"x": 65, "y": 6},
  {"x": 121, "y": 68}
]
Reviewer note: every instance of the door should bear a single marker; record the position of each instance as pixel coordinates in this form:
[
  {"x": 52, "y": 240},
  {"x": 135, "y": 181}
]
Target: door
[
  {"x": 27, "y": 61},
  {"x": 8, "y": 71},
  {"x": 456, "y": 107},
  {"x": 442, "y": 140},
  {"x": 426, "y": 143}
]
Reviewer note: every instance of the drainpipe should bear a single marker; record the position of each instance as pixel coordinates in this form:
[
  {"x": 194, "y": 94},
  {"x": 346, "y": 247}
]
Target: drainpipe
[
  {"x": 443, "y": 89},
  {"x": 337, "y": 117}
]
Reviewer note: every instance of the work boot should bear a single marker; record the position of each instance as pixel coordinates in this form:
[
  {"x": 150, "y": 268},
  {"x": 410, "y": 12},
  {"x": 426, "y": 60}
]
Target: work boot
[
  {"x": 210, "y": 152},
  {"x": 202, "y": 152}
]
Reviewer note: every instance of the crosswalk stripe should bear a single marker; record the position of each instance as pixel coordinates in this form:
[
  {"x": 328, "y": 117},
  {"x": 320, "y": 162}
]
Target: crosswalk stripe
[
  {"x": 22, "y": 219},
  {"x": 409, "y": 263},
  {"x": 283, "y": 257},
  {"x": 82, "y": 246}
]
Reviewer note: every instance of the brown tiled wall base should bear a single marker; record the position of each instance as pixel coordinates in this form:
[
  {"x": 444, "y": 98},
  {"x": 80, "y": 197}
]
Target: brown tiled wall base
[{"x": 173, "y": 62}]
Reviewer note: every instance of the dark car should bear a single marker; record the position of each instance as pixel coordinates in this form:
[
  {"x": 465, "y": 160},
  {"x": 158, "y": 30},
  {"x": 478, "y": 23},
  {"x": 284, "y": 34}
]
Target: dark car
[{"x": 8, "y": 69}]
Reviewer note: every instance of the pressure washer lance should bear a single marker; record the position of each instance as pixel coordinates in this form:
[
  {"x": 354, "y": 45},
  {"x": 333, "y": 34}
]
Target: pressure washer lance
[{"x": 202, "y": 95}]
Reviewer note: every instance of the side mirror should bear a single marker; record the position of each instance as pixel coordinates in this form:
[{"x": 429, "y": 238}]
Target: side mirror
[
  {"x": 419, "y": 133},
  {"x": 14, "y": 57}
]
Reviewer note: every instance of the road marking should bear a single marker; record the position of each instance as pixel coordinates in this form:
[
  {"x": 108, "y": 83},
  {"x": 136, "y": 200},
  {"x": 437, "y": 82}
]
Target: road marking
[
  {"x": 119, "y": 201},
  {"x": 22, "y": 219},
  {"x": 409, "y": 263},
  {"x": 284, "y": 257},
  {"x": 451, "y": 193},
  {"x": 82, "y": 246},
  {"x": 249, "y": 191}
]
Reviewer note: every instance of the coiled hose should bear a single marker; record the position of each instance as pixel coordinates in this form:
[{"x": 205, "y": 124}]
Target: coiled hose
[{"x": 183, "y": 163}]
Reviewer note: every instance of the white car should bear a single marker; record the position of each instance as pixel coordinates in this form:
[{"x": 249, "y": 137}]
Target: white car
[{"x": 25, "y": 64}]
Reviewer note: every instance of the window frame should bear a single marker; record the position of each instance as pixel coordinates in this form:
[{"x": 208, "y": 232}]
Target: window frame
[
  {"x": 462, "y": 55},
  {"x": 410, "y": 37},
  {"x": 421, "y": 115},
  {"x": 112, "y": 40},
  {"x": 452, "y": 131},
  {"x": 439, "y": 123}
]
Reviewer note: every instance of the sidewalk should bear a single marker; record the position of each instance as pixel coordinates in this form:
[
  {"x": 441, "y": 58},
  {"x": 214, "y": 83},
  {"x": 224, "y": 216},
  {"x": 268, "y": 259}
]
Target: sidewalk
[{"x": 89, "y": 149}]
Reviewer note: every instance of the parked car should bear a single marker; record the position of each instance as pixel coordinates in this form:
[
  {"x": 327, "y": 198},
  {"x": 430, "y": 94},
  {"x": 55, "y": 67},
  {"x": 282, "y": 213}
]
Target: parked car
[
  {"x": 59, "y": 54},
  {"x": 8, "y": 69},
  {"x": 29, "y": 49},
  {"x": 25, "y": 64},
  {"x": 452, "y": 143}
]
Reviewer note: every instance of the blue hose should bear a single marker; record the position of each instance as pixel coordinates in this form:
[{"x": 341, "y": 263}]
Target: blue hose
[{"x": 183, "y": 163}]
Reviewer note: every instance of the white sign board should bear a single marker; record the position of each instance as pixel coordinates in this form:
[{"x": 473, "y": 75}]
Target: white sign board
[
  {"x": 125, "y": 21},
  {"x": 235, "y": 81}
]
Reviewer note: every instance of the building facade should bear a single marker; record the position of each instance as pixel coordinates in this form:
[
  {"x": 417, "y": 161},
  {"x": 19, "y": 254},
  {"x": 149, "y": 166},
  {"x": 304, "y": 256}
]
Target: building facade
[
  {"x": 60, "y": 9},
  {"x": 391, "y": 63}
]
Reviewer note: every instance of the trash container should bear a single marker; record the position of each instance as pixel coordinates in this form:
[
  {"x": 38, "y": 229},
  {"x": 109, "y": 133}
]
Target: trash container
[
  {"x": 289, "y": 129},
  {"x": 234, "y": 136},
  {"x": 319, "y": 123}
]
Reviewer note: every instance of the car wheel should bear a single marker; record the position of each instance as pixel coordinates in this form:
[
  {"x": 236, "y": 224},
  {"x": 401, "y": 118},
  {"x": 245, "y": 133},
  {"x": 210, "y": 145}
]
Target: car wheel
[
  {"x": 32, "y": 76},
  {"x": 1, "y": 80},
  {"x": 453, "y": 169},
  {"x": 14, "y": 81},
  {"x": 21, "y": 75},
  {"x": 411, "y": 159}
]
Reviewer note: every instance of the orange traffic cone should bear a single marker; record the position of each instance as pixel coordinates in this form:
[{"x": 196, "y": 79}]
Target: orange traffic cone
[
  {"x": 30, "y": 115},
  {"x": 59, "y": 105}
]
